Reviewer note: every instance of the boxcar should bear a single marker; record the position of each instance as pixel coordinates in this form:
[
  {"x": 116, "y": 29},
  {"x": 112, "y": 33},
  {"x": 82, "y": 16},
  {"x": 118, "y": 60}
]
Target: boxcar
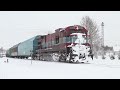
[
  {"x": 28, "y": 48},
  {"x": 13, "y": 51}
]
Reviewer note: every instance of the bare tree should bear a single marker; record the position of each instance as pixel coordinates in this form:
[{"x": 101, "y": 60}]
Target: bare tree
[{"x": 93, "y": 31}]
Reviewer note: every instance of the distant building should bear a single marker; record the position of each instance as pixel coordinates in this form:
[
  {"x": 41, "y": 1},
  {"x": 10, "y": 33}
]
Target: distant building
[
  {"x": 116, "y": 49},
  {"x": 2, "y": 52}
]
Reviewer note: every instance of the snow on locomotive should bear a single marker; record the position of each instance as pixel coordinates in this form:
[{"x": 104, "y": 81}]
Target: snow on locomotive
[{"x": 66, "y": 44}]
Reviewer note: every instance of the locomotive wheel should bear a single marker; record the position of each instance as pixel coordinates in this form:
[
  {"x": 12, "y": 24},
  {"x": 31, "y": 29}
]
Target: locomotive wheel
[
  {"x": 72, "y": 61},
  {"x": 77, "y": 61}
]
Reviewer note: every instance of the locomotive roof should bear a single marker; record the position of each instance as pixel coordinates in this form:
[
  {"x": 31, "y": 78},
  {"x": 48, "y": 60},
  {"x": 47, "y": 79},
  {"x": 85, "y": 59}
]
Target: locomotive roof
[
  {"x": 79, "y": 26},
  {"x": 71, "y": 27}
]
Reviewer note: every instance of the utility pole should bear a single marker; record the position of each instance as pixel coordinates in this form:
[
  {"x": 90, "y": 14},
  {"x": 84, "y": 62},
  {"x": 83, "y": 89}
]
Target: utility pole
[
  {"x": 102, "y": 45},
  {"x": 102, "y": 25}
]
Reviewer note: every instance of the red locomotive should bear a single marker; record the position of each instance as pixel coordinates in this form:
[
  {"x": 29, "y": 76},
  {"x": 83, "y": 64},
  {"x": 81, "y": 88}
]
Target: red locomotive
[{"x": 68, "y": 44}]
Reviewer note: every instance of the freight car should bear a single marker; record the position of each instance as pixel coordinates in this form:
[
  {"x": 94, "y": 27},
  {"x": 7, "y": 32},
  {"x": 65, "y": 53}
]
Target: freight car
[
  {"x": 68, "y": 44},
  {"x": 28, "y": 48},
  {"x": 24, "y": 49},
  {"x": 13, "y": 51}
]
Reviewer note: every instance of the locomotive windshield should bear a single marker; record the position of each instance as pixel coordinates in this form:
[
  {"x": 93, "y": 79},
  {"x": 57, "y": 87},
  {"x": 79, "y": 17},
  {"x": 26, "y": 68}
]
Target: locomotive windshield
[
  {"x": 76, "y": 38},
  {"x": 73, "y": 38}
]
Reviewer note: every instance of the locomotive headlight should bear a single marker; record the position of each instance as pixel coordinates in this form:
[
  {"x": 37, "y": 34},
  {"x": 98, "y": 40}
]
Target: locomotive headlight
[{"x": 73, "y": 57}]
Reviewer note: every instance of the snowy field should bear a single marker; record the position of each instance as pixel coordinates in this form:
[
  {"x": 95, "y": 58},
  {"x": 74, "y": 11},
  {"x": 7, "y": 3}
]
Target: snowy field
[{"x": 23, "y": 69}]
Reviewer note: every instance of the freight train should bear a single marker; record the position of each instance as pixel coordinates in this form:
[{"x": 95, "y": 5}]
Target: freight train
[{"x": 68, "y": 44}]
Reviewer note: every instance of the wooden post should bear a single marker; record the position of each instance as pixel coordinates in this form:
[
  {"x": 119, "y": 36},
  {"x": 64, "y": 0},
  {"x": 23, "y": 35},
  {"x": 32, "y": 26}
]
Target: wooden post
[{"x": 31, "y": 57}]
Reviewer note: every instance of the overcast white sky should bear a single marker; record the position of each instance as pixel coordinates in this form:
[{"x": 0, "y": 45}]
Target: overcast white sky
[{"x": 17, "y": 26}]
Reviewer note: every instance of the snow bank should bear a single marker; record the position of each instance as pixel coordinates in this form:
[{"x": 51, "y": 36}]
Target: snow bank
[{"x": 23, "y": 69}]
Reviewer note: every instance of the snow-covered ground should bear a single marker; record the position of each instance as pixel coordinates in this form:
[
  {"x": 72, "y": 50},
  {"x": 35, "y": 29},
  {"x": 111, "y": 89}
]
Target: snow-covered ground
[{"x": 23, "y": 69}]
